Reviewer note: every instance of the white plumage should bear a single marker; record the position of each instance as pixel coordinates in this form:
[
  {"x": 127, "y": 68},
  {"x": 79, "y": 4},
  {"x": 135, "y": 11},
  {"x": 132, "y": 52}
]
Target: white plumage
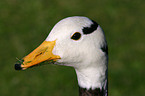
[
  {"x": 85, "y": 54},
  {"x": 77, "y": 42}
]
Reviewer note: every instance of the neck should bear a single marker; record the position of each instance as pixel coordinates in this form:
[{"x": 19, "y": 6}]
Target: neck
[
  {"x": 95, "y": 92},
  {"x": 92, "y": 81}
]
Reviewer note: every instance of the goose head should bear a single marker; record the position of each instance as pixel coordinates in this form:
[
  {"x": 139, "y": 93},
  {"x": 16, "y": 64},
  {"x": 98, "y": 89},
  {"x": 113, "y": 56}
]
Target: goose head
[{"x": 77, "y": 42}]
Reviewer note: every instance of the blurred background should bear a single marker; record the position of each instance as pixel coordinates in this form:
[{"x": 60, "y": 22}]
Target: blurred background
[{"x": 24, "y": 24}]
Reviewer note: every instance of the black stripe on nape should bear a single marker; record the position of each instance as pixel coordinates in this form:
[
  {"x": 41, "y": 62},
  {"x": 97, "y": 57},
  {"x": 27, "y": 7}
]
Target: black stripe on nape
[{"x": 92, "y": 28}]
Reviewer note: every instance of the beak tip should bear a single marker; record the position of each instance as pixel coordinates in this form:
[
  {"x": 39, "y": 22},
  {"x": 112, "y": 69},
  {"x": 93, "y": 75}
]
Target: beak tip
[{"x": 18, "y": 67}]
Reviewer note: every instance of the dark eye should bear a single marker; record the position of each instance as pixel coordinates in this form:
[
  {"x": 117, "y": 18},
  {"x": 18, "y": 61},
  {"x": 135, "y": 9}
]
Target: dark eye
[{"x": 76, "y": 36}]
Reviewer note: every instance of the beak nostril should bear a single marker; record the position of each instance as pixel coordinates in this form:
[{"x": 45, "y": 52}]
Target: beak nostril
[
  {"x": 39, "y": 54},
  {"x": 18, "y": 67},
  {"x": 42, "y": 51}
]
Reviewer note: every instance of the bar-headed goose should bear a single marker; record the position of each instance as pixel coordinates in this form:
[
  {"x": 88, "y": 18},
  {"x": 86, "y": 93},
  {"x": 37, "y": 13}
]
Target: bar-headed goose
[{"x": 80, "y": 43}]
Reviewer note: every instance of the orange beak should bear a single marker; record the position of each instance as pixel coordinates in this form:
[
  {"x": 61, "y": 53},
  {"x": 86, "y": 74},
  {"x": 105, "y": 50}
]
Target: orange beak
[{"x": 40, "y": 54}]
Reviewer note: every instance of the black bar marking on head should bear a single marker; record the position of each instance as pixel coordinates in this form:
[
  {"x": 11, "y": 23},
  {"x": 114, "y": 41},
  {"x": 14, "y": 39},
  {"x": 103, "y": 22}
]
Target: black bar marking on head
[
  {"x": 92, "y": 28},
  {"x": 105, "y": 49}
]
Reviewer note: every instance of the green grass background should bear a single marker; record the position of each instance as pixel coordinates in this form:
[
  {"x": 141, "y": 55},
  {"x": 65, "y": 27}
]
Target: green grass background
[{"x": 24, "y": 24}]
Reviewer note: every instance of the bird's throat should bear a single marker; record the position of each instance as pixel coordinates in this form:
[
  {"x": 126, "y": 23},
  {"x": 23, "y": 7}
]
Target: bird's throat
[
  {"x": 94, "y": 92},
  {"x": 92, "y": 82}
]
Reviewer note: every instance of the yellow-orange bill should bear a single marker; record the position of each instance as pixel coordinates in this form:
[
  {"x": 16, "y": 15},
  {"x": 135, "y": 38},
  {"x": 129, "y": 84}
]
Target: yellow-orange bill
[{"x": 40, "y": 54}]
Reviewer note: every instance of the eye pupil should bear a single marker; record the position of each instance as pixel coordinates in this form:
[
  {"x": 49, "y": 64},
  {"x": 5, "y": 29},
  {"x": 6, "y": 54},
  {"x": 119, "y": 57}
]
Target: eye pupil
[{"x": 76, "y": 36}]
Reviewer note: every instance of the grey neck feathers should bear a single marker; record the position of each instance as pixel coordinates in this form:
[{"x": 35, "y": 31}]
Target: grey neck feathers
[
  {"x": 95, "y": 92},
  {"x": 93, "y": 83}
]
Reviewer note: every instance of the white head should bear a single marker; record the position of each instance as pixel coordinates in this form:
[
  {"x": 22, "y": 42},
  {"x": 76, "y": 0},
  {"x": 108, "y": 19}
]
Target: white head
[
  {"x": 80, "y": 43},
  {"x": 75, "y": 53},
  {"x": 86, "y": 54}
]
